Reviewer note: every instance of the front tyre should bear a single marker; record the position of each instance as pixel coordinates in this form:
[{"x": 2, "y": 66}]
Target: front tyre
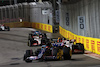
[
  {"x": 29, "y": 43},
  {"x": 25, "y": 59},
  {"x": 26, "y": 55}
]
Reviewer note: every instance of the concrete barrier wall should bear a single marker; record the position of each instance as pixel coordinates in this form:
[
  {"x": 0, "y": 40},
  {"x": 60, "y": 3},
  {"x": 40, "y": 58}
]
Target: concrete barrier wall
[
  {"x": 18, "y": 24},
  {"x": 45, "y": 27},
  {"x": 90, "y": 9},
  {"x": 91, "y": 44},
  {"x": 14, "y": 24}
]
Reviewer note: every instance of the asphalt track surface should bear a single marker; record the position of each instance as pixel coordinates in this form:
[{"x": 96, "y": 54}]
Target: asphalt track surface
[{"x": 13, "y": 44}]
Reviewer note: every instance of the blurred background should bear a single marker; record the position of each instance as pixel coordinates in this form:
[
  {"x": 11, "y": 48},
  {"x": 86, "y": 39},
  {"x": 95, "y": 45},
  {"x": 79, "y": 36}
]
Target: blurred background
[{"x": 11, "y": 2}]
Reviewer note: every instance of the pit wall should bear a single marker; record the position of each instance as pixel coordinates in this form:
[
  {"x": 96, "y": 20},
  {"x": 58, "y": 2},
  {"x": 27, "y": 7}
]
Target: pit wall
[
  {"x": 41, "y": 26},
  {"x": 91, "y": 44}
]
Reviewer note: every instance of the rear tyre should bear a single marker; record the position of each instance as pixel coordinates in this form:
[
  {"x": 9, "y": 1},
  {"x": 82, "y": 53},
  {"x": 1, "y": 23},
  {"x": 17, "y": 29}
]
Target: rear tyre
[
  {"x": 81, "y": 47},
  {"x": 66, "y": 53},
  {"x": 27, "y": 60},
  {"x": 0, "y": 29},
  {"x": 43, "y": 42},
  {"x": 55, "y": 52},
  {"x": 30, "y": 36},
  {"x": 8, "y": 28}
]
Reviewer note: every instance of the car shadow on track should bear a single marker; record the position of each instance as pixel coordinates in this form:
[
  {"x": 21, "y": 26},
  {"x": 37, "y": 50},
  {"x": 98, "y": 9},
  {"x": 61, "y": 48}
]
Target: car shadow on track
[
  {"x": 81, "y": 59},
  {"x": 14, "y": 64}
]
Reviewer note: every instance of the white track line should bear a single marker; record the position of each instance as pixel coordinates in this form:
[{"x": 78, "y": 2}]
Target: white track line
[{"x": 92, "y": 56}]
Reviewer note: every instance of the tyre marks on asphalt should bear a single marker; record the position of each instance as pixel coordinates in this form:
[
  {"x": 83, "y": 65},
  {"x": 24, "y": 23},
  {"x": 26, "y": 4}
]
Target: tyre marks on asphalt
[
  {"x": 10, "y": 48},
  {"x": 9, "y": 34},
  {"x": 16, "y": 37},
  {"x": 14, "y": 63},
  {"x": 1, "y": 38}
]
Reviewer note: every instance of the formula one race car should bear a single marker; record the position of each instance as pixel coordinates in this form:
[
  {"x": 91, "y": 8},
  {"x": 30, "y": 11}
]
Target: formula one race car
[
  {"x": 37, "y": 38},
  {"x": 3, "y": 28},
  {"x": 76, "y": 48},
  {"x": 49, "y": 51}
]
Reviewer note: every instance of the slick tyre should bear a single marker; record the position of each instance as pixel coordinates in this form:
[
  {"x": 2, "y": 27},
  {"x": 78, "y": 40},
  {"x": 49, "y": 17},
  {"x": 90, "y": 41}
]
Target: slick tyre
[
  {"x": 29, "y": 43},
  {"x": 55, "y": 52},
  {"x": 25, "y": 59},
  {"x": 66, "y": 53},
  {"x": 0, "y": 29},
  {"x": 81, "y": 47},
  {"x": 28, "y": 54},
  {"x": 8, "y": 28},
  {"x": 30, "y": 37}
]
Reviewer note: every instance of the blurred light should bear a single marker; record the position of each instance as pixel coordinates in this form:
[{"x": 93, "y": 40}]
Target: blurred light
[{"x": 2, "y": 1}]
